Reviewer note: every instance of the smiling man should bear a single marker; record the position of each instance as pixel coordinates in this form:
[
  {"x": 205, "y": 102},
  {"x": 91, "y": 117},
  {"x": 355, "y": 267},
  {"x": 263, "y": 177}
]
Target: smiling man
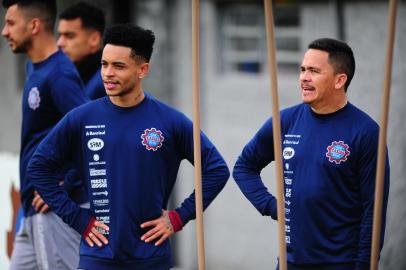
[
  {"x": 329, "y": 154},
  {"x": 129, "y": 147}
]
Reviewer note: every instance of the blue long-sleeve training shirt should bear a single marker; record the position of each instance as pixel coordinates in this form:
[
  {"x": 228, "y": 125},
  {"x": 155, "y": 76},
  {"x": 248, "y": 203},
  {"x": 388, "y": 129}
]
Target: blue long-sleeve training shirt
[
  {"x": 329, "y": 164},
  {"x": 52, "y": 88},
  {"x": 94, "y": 88},
  {"x": 130, "y": 159}
]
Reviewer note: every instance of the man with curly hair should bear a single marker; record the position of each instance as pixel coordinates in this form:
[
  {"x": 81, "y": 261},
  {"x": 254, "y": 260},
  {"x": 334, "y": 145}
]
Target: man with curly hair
[{"x": 129, "y": 146}]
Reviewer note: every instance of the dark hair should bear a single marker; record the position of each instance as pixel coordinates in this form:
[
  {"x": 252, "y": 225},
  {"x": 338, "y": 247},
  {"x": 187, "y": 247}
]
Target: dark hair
[
  {"x": 91, "y": 16},
  {"x": 340, "y": 56},
  {"x": 43, "y": 9},
  {"x": 140, "y": 40}
]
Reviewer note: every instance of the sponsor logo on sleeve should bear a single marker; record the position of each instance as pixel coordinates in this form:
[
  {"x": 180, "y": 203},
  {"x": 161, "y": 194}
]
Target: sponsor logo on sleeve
[
  {"x": 337, "y": 152},
  {"x": 152, "y": 139}
]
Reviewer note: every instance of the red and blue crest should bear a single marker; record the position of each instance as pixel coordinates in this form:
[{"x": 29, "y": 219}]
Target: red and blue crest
[
  {"x": 152, "y": 139},
  {"x": 337, "y": 152}
]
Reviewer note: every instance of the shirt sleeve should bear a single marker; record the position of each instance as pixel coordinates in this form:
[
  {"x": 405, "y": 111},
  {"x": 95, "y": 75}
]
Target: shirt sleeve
[
  {"x": 67, "y": 92},
  {"x": 56, "y": 149},
  {"x": 215, "y": 172},
  {"x": 367, "y": 174},
  {"x": 257, "y": 154}
]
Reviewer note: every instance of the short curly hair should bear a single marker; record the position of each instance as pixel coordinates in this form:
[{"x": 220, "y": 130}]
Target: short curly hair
[{"x": 140, "y": 40}]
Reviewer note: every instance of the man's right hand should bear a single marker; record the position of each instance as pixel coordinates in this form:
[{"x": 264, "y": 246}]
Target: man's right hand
[{"x": 95, "y": 236}]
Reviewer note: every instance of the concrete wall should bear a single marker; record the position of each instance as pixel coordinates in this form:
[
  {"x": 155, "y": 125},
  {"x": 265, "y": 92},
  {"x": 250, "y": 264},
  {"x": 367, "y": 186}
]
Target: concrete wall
[
  {"x": 369, "y": 44},
  {"x": 235, "y": 106},
  {"x": 10, "y": 95}
]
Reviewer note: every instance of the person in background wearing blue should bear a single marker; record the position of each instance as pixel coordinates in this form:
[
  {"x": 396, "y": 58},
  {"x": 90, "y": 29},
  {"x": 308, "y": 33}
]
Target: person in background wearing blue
[
  {"x": 52, "y": 88},
  {"x": 80, "y": 31},
  {"x": 329, "y": 162},
  {"x": 129, "y": 146}
]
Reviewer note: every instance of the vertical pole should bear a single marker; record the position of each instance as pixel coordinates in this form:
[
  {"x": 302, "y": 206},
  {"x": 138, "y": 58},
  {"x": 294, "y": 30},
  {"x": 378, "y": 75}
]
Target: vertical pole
[
  {"x": 276, "y": 123},
  {"x": 380, "y": 168},
  {"x": 196, "y": 133}
]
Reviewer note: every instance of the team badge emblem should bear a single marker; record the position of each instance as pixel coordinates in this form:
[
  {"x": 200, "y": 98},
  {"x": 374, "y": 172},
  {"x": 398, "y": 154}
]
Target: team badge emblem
[
  {"x": 152, "y": 139},
  {"x": 337, "y": 152},
  {"x": 33, "y": 98}
]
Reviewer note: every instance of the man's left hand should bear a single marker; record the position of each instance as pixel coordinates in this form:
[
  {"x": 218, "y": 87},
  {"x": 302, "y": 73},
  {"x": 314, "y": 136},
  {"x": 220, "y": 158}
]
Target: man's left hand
[
  {"x": 161, "y": 229},
  {"x": 39, "y": 204}
]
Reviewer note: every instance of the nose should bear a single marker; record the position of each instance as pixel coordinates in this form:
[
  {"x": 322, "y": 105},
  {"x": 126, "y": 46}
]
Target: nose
[
  {"x": 60, "y": 42},
  {"x": 107, "y": 71},
  {"x": 4, "y": 31},
  {"x": 305, "y": 76}
]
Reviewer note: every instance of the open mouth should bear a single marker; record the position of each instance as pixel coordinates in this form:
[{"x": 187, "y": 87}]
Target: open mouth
[{"x": 110, "y": 85}]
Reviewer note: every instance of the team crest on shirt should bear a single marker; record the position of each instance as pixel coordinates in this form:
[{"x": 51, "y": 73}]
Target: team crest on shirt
[
  {"x": 33, "y": 98},
  {"x": 152, "y": 139},
  {"x": 337, "y": 152}
]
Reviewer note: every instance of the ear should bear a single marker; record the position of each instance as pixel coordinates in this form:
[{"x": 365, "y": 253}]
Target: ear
[
  {"x": 144, "y": 69},
  {"x": 35, "y": 26},
  {"x": 95, "y": 41},
  {"x": 340, "y": 81}
]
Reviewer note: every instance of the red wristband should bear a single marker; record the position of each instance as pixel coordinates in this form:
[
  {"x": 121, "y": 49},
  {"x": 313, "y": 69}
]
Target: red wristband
[
  {"x": 89, "y": 227},
  {"x": 176, "y": 221}
]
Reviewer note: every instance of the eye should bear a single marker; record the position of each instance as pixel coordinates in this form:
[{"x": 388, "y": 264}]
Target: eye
[{"x": 119, "y": 67}]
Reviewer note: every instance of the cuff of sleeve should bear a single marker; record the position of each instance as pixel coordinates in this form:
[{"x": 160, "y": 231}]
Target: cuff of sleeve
[
  {"x": 89, "y": 227},
  {"x": 176, "y": 221}
]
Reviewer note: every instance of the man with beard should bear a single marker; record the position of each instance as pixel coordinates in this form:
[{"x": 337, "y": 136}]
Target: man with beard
[{"x": 52, "y": 88}]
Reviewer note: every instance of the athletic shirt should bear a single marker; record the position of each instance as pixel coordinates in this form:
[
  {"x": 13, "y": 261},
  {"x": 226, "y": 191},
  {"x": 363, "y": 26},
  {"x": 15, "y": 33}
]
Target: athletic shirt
[
  {"x": 52, "y": 88},
  {"x": 90, "y": 73},
  {"x": 329, "y": 165},
  {"x": 94, "y": 88},
  {"x": 130, "y": 159}
]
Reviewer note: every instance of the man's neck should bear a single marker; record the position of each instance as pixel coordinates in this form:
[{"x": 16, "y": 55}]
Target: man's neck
[
  {"x": 130, "y": 100},
  {"x": 42, "y": 48},
  {"x": 89, "y": 65},
  {"x": 330, "y": 108}
]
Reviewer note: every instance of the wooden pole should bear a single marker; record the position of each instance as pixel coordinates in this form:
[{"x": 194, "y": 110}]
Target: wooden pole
[
  {"x": 276, "y": 123},
  {"x": 380, "y": 169},
  {"x": 196, "y": 134}
]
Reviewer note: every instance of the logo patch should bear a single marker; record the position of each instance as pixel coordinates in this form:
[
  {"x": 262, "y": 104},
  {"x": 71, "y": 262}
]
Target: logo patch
[
  {"x": 33, "y": 98},
  {"x": 288, "y": 152},
  {"x": 337, "y": 152},
  {"x": 95, "y": 144},
  {"x": 152, "y": 139}
]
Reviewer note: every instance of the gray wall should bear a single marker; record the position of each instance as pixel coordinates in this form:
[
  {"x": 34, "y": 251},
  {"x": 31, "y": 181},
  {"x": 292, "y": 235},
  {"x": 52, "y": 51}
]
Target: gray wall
[{"x": 235, "y": 106}]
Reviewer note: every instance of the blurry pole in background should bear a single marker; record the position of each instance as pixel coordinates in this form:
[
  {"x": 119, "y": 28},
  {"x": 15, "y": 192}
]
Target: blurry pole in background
[{"x": 380, "y": 168}]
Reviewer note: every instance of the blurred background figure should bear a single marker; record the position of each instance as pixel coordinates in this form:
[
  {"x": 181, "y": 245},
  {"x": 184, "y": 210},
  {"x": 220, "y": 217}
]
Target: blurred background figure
[
  {"x": 80, "y": 31},
  {"x": 52, "y": 87}
]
